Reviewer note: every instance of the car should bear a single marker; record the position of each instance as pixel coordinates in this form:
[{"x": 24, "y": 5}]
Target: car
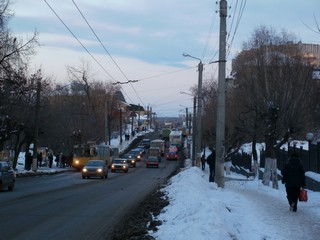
[
  {"x": 131, "y": 159},
  {"x": 119, "y": 164},
  {"x": 95, "y": 168},
  {"x": 173, "y": 148},
  {"x": 172, "y": 155},
  {"x": 7, "y": 176},
  {"x": 146, "y": 143},
  {"x": 141, "y": 149},
  {"x": 152, "y": 161},
  {"x": 137, "y": 153}
]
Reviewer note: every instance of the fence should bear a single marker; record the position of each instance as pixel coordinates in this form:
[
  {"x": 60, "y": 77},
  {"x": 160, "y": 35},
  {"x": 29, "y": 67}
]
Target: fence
[{"x": 310, "y": 159}]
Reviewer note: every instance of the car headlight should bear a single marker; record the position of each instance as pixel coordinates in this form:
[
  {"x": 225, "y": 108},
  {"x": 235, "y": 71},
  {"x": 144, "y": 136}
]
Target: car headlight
[
  {"x": 132, "y": 161},
  {"x": 112, "y": 166},
  {"x": 84, "y": 170},
  {"x": 99, "y": 170},
  {"x": 77, "y": 162}
]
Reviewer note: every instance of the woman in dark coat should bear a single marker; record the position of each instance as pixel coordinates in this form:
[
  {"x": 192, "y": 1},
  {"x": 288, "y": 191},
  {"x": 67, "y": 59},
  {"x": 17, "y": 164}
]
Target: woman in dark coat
[
  {"x": 294, "y": 179},
  {"x": 211, "y": 160}
]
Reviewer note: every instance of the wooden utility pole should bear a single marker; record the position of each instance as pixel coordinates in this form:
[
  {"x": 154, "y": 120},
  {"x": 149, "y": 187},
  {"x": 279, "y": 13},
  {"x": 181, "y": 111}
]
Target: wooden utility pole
[{"x": 220, "y": 129}]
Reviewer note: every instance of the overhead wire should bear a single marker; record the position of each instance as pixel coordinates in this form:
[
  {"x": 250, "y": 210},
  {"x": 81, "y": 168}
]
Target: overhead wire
[
  {"x": 164, "y": 74},
  {"x": 240, "y": 13},
  {"x": 79, "y": 41},
  {"x": 105, "y": 49}
]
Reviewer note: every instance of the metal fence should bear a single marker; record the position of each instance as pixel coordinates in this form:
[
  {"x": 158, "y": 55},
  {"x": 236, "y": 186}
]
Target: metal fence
[{"x": 310, "y": 159}]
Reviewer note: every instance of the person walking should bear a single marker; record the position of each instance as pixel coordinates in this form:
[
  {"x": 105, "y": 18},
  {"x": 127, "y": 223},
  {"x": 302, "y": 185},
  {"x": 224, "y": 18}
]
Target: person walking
[
  {"x": 39, "y": 159},
  {"x": 293, "y": 176},
  {"x": 50, "y": 158},
  {"x": 211, "y": 160},
  {"x": 28, "y": 161}
]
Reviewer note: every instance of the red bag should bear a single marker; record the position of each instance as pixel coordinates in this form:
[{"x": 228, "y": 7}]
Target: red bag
[{"x": 303, "y": 197}]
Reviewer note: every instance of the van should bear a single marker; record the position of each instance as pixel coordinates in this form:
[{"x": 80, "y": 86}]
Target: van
[{"x": 155, "y": 151}]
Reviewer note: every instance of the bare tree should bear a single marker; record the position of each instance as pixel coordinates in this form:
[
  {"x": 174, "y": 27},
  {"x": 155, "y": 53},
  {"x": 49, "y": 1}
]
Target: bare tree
[{"x": 274, "y": 87}]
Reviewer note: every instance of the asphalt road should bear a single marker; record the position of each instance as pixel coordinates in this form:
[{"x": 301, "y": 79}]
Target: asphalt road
[{"x": 65, "y": 206}]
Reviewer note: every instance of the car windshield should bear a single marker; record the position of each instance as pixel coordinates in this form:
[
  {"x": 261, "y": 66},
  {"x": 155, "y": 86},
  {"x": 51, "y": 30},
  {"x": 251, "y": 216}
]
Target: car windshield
[
  {"x": 152, "y": 159},
  {"x": 128, "y": 156},
  {"x": 119, "y": 161},
  {"x": 134, "y": 154},
  {"x": 94, "y": 163}
]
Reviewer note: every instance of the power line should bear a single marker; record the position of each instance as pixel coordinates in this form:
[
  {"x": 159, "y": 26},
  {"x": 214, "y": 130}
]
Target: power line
[
  {"x": 164, "y": 74},
  {"x": 83, "y": 46},
  {"x": 79, "y": 41},
  {"x": 128, "y": 81},
  {"x": 241, "y": 10}
]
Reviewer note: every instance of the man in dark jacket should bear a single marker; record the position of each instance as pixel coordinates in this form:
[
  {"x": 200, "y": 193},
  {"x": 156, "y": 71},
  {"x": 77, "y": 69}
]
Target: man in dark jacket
[
  {"x": 294, "y": 179},
  {"x": 211, "y": 160}
]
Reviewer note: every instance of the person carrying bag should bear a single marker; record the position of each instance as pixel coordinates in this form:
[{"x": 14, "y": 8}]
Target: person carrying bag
[{"x": 293, "y": 176}]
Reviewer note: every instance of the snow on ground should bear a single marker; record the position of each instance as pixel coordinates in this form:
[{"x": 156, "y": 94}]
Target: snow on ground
[{"x": 242, "y": 210}]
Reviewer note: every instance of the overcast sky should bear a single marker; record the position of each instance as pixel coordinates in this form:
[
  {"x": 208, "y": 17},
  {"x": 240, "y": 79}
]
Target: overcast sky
[{"x": 146, "y": 39}]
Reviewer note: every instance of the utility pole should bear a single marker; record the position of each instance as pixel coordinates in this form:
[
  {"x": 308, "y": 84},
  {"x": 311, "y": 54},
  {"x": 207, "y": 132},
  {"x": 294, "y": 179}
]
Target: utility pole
[
  {"x": 36, "y": 127},
  {"x": 197, "y": 145},
  {"x": 194, "y": 124},
  {"x": 120, "y": 125},
  {"x": 187, "y": 124},
  {"x": 199, "y": 110},
  {"x": 220, "y": 127}
]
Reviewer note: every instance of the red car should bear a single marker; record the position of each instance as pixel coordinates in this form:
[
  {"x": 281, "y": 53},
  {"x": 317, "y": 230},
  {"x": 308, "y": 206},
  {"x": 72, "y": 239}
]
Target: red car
[
  {"x": 172, "y": 155},
  {"x": 152, "y": 161}
]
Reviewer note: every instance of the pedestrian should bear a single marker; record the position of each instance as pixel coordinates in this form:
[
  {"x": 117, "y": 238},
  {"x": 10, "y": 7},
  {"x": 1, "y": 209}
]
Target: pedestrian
[
  {"x": 63, "y": 160},
  {"x": 50, "y": 158},
  {"x": 28, "y": 161},
  {"x": 293, "y": 176},
  {"x": 57, "y": 160},
  {"x": 39, "y": 159},
  {"x": 211, "y": 160},
  {"x": 203, "y": 162}
]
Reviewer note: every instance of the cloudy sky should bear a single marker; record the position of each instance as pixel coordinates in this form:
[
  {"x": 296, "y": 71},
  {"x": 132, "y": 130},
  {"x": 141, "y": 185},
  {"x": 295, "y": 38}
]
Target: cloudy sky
[{"x": 144, "y": 40}]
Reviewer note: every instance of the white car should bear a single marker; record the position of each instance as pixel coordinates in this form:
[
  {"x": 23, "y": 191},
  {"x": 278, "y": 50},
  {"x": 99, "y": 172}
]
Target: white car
[{"x": 119, "y": 164}]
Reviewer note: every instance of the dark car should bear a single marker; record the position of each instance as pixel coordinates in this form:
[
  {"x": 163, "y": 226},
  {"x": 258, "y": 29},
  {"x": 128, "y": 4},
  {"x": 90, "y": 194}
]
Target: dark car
[
  {"x": 141, "y": 149},
  {"x": 130, "y": 158},
  {"x": 7, "y": 176},
  {"x": 95, "y": 168},
  {"x": 152, "y": 161},
  {"x": 172, "y": 155},
  {"x": 119, "y": 164},
  {"x": 146, "y": 143},
  {"x": 137, "y": 153}
]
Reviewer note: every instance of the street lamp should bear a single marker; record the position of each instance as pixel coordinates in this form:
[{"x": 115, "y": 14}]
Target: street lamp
[
  {"x": 199, "y": 93},
  {"x": 194, "y": 126}
]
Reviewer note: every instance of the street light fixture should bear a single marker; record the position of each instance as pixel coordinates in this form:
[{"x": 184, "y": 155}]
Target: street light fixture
[{"x": 199, "y": 93}]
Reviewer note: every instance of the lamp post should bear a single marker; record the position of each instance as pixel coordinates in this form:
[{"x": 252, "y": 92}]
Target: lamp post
[
  {"x": 120, "y": 125},
  {"x": 187, "y": 124},
  {"x": 194, "y": 125},
  {"x": 199, "y": 109}
]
